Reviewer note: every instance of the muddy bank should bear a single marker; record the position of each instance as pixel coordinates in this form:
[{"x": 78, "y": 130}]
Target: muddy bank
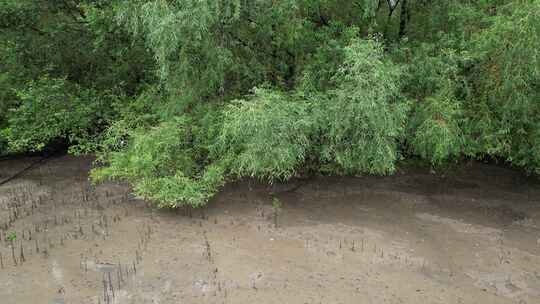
[{"x": 473, "y": 237}]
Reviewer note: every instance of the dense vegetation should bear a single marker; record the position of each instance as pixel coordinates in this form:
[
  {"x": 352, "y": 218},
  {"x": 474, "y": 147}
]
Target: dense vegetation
[{"x": 179, "y": 96}]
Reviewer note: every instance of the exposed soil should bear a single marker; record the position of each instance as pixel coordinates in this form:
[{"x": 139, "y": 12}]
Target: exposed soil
[{"x": 471, "y": 237}]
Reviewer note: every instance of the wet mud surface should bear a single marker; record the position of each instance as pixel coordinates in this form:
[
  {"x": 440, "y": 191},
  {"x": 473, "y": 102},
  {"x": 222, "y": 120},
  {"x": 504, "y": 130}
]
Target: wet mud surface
[{"x": 470, "y": 237}]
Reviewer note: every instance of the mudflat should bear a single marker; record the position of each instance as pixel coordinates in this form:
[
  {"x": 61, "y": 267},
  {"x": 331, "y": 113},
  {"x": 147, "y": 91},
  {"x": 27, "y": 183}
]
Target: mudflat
[{"x": 414, "y": 237}]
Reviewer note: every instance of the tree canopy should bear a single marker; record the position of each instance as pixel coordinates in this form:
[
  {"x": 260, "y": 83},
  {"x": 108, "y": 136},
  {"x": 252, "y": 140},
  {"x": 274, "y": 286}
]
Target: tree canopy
[{"x": 178, "y": 97}]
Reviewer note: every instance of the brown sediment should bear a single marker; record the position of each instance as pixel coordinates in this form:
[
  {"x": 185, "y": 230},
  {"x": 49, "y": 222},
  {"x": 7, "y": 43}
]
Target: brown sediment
[{"x": 397, "y": 239}]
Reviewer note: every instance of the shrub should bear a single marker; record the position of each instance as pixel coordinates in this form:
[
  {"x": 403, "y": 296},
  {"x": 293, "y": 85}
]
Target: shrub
[
  {"x": 363, "y": 118},
  {"x": 266, "y": 136}
]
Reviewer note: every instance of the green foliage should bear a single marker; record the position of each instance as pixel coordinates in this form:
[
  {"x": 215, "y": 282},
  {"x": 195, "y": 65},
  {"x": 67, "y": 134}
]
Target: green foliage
[
  {"x": 63, "y": 66},
  {"x": 51, "y": 109},
  {"x": 266, "y": 136},
  {"x": 162, "y": 90},
  {"x": 132, "y": 114},
  {"x": 192, "y": 63},
  {"x": 364, "y": 117},
  {"x": 510, "y": 83},
  {"x": 161, "y": 164},
  {"x": 178, "y": 190},
  {"x": 435, "y": 124},
  {"x": 326, "y": 58},
  {"x": 436, "y": 135},
  {"x": 11, "y": 236},
  {"x": 276, "y": 205}
]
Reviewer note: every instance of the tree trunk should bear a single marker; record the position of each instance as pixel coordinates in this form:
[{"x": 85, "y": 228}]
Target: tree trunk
[{"x": 404, "y": 16}]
